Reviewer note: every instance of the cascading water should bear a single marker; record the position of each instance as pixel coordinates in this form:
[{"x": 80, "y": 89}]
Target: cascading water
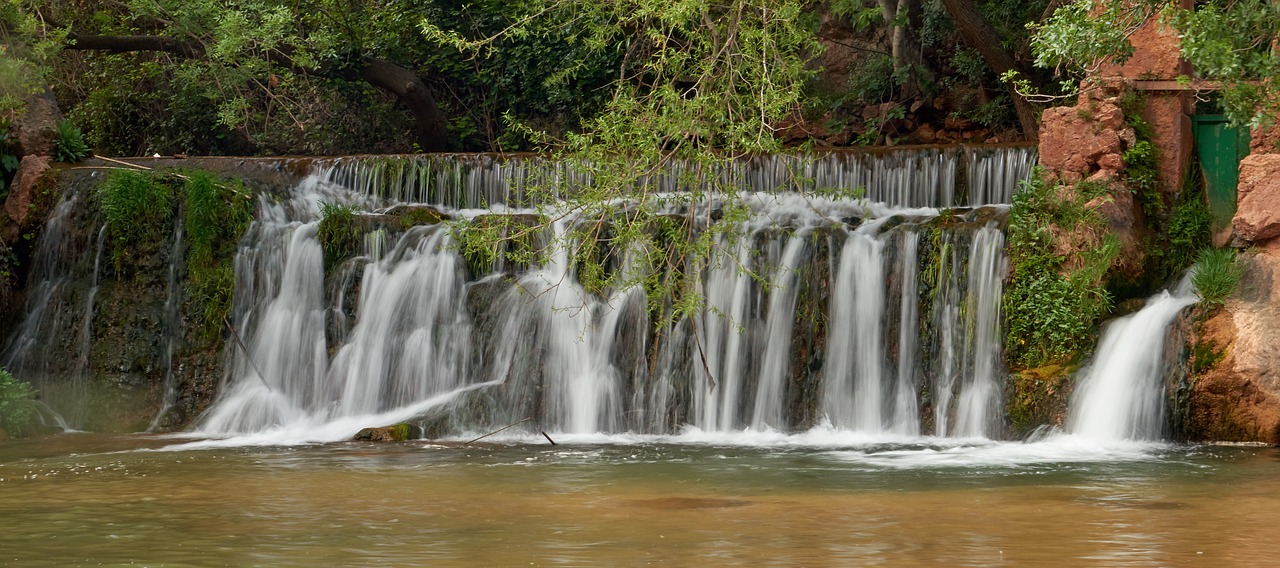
[
  {"x": 573, "y": 361},
  {"x": 1121, "y": 397},
  {"x": 874, "y": 315}
]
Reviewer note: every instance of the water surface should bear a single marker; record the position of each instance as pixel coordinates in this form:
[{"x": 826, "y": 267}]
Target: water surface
[{"x": 810, "y": 500}]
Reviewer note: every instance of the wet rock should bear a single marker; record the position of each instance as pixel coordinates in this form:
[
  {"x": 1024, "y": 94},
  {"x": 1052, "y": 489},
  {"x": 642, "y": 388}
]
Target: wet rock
[
  {"x": 412, "y": 215},
  {"x": 1258, "y": 203},
  {"x": 395, "y": 433},
  {"x": 22, "y": 193}
]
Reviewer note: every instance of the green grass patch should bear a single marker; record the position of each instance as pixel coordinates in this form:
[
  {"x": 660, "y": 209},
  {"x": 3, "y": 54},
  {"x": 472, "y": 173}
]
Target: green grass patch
[
  {"x": 138, "y": 210},
  {"x": 216, "y": 214},
  {"x": 1216, "y": 276}
]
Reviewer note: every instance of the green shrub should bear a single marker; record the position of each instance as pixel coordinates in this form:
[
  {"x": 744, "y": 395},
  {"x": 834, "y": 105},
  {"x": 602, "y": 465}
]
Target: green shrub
[
  {"x": 1216, "y": 276},
  {"x": 1051, "y": 312},
  {"x": 16, "y": 404},
  {"x": 68, "y": 143},
  {"x": 339, "y": 236},
  {"x": 9, "y": 160}
]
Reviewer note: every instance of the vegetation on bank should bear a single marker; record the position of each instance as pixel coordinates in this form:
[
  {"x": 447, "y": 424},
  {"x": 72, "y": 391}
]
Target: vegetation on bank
[
  {"x": 139, "y": 209},
  {"x": 1051, "y": 307},
  {"x": 16, "y": 404}
]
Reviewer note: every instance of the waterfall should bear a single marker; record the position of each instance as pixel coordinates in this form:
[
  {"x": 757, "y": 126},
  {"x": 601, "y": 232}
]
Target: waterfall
[
  {"x": 53, "y": 313},
  {"x": 905, "y": 177},
  {"x": 877, "y": 314},
  {"x": 1120, "y": 396}
]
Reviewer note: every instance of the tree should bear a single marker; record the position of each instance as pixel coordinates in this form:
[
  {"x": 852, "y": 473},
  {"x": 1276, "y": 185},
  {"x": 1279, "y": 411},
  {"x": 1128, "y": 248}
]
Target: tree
[{"x": 1232, "y": 46}]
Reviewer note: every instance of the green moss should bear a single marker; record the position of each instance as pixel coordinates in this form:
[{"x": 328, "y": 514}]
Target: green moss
[
  {"x": 1038, "y": 397},
  {"x": 420, "y": 216}
]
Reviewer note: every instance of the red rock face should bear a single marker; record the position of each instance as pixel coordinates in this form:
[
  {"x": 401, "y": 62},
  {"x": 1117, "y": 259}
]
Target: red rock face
[
  {"x": 23, "y": 190},
  {"x": 1167, "y": 113},
  {"x": 1156, "y": 55},
  {"x": 1085, "y": 140},
  {"x": 1265, "y": 140},
  {"x": 1258, "y": 198}
]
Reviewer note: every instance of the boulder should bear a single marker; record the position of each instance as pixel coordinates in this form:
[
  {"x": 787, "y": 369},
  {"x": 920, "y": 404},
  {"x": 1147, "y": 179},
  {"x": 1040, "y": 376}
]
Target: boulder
[
  {"x": 395, "y": 433},
  {"x": 1075, "y": 142},
  {"x": 1257, "y": 215},
  {"x": 23, "y": 190},
  {"x": 37, "y": 125}
]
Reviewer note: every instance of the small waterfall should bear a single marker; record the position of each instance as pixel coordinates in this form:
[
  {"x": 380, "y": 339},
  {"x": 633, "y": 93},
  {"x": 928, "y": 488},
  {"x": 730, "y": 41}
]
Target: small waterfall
[
  {"x": 1121, "y": 396},
  {"x": 994, "y": 174},
  {"x": 172, "y": 304},
  {"x": 980, "y": 396},
  {"x": 54, "y": 314},
  {"x": 853, "y": 394},
  {"x": 767, "y": 412}
]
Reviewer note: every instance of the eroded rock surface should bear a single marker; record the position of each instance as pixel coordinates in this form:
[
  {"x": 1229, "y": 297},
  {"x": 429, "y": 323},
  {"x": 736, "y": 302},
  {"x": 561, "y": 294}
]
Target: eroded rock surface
[
  {"x": 1236, "y": 394},
  {"x": 1258, "y": 198},
  {"x": 23, "y": 191}
]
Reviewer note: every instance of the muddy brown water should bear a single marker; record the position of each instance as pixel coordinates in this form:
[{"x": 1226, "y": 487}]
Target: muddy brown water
[{"x": 98, "y": 500}]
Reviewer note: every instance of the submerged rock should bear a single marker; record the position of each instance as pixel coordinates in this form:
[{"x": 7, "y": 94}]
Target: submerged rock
[{"x": 395, "y": 433}]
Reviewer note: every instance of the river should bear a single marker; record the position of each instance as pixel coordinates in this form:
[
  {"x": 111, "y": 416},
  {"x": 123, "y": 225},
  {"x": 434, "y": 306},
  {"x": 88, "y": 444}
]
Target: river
[{"x": 815, "y": 499}]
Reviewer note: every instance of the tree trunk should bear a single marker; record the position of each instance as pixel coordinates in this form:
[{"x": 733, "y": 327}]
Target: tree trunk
[
  {"x": 429, "y": 122},
  {"x": 979, "y": 35}
]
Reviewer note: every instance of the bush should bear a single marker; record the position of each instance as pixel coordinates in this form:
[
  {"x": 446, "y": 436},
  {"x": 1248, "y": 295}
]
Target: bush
[
  {"x": 339, "y": 236},
  {"x": 136, "y": 206},
  {"x": 68, "y": 143},
  {"x": 1051, "y": 312},
  {"x": 16, "y": 406},
  {"x": 1216, "y": 275}
]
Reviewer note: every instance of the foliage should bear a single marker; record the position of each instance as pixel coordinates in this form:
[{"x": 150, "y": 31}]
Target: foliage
[
  {"x": 137, "y": 209},
  {"x": 16, "y": 404},
  {"x": 1051, "y": 310},
  {"x": 8, "y": 159},
  {"x": 339, "y": 235},
  {"x": 700, "y": 84},
  {"x": 1227, "y": 41},
  {"x": 215, "y": 215},
  {"x": 1216, "y": 276},
  {"x": 68, "y": 143},
  {"x": 1180, "y": 236}
]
